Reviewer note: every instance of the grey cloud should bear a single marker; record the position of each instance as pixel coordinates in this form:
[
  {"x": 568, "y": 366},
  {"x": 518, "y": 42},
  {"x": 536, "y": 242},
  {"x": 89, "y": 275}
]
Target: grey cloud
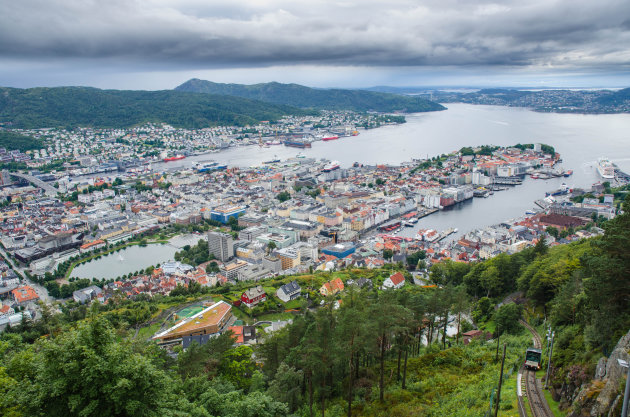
[{"x": 567, "y": 33}]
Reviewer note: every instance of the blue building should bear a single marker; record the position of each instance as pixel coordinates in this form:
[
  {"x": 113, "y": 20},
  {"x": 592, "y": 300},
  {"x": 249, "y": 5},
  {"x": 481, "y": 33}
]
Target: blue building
[
  {"x": 340, "y": 250},
  {"x": 223, "y": 214}
]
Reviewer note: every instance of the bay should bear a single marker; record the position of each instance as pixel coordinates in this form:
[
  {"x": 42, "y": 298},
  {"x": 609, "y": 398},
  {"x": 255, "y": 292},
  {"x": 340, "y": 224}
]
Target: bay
[{"x": 580, "y": 139}]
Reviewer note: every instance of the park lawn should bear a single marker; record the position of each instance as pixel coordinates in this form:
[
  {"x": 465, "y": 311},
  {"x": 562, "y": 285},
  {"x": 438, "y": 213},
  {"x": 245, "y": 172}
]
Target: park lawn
[
  {"x": 148, "y": 331},
  {"x": 274, "y": 317},
  {"x": 239, "y": 314},
  {"x": 293, "y": 304}
]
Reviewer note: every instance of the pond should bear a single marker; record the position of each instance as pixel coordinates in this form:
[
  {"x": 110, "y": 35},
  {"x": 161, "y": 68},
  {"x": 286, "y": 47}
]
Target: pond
[{"x": 131, "y": 259}]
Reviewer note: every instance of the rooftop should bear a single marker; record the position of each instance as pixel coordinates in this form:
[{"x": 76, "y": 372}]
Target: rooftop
[{"x": 210, "y": 316}]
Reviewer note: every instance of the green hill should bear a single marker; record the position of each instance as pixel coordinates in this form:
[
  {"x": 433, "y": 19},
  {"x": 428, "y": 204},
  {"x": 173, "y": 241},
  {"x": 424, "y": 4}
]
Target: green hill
[
  {"x": 305, "y": 97},
  {"x": 616, "y": 98},
  {"x": 14, "y": 141},
  {"x": 81, "y": 106}
]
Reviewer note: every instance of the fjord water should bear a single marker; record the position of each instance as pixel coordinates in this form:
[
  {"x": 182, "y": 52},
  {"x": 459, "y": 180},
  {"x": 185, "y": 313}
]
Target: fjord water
[{"x": 580, "y": 140}]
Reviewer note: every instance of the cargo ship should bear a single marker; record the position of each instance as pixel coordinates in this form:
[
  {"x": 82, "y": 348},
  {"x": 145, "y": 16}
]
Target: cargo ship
[
  {"x": 174, "y": 158},
  {"x": 209, "y": 167},
  {"x": 605, "y": 168},
  {"x": 335, "y": 137},
  {"x": 297, "y": 144}
]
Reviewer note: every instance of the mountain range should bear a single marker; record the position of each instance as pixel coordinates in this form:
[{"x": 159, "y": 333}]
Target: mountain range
[
  {"x": 84, "y": 106},
  {"x": 323, "y": 99}
]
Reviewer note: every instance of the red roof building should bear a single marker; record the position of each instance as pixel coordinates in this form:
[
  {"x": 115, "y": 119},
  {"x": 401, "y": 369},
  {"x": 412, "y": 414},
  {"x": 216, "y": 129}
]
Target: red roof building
[
  {"x": 254, "y": 296},
  {"x": 396, "y": 280}
]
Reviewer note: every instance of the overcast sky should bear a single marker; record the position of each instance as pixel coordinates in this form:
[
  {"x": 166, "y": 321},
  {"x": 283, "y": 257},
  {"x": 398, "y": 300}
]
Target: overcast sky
[{"x": 159, "y": 44}]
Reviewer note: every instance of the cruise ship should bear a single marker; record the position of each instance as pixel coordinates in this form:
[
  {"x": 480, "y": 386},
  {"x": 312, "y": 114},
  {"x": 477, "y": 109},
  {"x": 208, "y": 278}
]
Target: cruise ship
[
  {"x": 605, "y": 168},
  {"x": 331, "y": 167}
]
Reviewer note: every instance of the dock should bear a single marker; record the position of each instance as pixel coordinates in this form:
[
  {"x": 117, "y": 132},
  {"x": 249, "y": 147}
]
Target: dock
[
  {"x": 507, "y": 181},
  {"x": 446, "y": 233}
]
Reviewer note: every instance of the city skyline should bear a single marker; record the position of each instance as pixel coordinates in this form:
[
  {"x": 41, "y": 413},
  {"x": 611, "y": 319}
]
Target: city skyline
[{"x": 160, "y": 44}]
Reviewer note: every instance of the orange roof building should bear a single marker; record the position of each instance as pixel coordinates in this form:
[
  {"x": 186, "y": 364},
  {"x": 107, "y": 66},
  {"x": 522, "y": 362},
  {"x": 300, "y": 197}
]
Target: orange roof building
[
  {"x": 332, "y": 287},
  {"x": 211, "y": 320},
  {"x": 24, "y": 294}
]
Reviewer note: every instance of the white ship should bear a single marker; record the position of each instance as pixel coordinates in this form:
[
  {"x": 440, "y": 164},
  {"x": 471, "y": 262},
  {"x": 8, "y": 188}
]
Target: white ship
[{"x": 605, "y": 168}]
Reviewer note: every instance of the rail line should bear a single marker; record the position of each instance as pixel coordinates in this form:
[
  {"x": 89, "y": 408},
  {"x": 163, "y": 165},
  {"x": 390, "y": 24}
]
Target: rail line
[{"x": 533, "y": 389}]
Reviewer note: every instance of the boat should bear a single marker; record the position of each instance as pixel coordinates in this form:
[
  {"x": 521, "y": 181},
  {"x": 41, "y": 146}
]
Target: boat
[
  {"x": 331, "y": 167},
  {"x": 568, "y": 173},
  {"x": 605, "y": 168},
  {"x": 174, "y": 158},
  {"x": 407, "y": 223},
  {"x": 273, "y": 142},
  {"x": 210, "y": 166},
  {"x": 564, "y": 189},
  {"x": 273, "y": 161},
  {"x": 334, "y": 137},
  {"x": 530, "y": 212},
  {"x": 355, "y": 133},
  {"x": 535, "y": 175},
  {"x": 297, "y": 144},
  {"x": 300, "y": 155}
]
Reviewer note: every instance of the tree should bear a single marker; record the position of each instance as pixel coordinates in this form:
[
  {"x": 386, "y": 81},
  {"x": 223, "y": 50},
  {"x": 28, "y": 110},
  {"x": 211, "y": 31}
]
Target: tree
[
  {"x": 352, "y": 337},
  {"x": 541, "y": 247},
  {"x": 388, "y": 254},
  {"x": 271, "y": 246},
  {"x": 483, "y": 310},
  {"x": 285, "y": 387},
  {"x": 88, "y": 372},
  {"x": 212, "y": 267},
  {"x": 414, "y": 259},
  {"x": 389, "y": 318},
  {"x": 238, "y": 367},
  {"x": 506, "y": 318},
  {"x": 606, "y": 283},
  {"x": 491, "y": 281},
  {"x": 283, "y": 196},
  {"x": 553, "y": 231}
]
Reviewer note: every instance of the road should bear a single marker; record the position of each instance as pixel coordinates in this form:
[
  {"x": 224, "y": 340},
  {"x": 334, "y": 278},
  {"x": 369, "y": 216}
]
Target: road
[
  {"x": 41, "y": 291},
  {"x": 48, "y": 189}
]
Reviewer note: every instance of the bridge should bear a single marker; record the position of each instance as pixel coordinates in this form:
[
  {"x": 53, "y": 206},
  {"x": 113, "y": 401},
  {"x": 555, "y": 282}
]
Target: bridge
[{"x": 49, "y": 190}]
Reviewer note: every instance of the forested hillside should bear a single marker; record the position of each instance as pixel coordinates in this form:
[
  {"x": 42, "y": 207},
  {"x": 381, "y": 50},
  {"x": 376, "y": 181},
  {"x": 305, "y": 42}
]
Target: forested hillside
[
  {"x": 80, "y": 106},
  {"x": 15, "y": 141},
  {"x": 323, "y": 99}
]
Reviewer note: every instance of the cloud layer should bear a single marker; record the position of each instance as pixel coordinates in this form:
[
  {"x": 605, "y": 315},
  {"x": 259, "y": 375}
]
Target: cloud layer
[{"x": 563, "y": 34}]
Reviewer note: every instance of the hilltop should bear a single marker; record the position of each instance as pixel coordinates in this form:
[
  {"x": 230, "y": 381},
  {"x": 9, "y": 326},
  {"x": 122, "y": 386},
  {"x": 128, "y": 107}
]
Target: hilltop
[
  {"x": 554, "y": 101},
  {"x": 83, "y": 106},
  {"x": 305, "y": 97}
]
